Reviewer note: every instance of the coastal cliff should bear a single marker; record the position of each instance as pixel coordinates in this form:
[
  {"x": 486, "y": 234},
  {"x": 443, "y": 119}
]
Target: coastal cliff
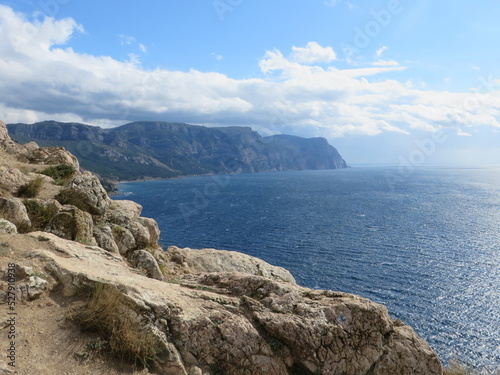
[
  {"x": 95, "y": 293},
  {"x": 160, "y": 150}
]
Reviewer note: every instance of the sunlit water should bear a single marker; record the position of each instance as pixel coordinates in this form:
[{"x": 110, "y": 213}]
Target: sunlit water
[{"x": 425, "y": 242}]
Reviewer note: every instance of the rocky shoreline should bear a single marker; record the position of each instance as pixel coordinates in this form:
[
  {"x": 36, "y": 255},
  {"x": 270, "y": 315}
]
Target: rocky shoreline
[{"x": 90, "y": 273}]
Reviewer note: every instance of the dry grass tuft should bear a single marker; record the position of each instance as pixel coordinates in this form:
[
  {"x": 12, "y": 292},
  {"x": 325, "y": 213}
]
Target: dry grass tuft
[{"x": 105, "y": 313}]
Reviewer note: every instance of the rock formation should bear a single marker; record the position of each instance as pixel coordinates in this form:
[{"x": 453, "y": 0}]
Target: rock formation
[
  {"x": 92, "y": 271},
  {"x": 160, "y": 150}
]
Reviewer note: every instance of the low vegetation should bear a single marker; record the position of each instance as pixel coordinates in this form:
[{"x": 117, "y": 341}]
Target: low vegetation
[
  {"x": 31, "y": 189},
  {"x": 60, "y": 173},
  {"x": 39, "y": 214},
  {"x": 67, "y": 196},
  {"x": 117, "y": 326}
]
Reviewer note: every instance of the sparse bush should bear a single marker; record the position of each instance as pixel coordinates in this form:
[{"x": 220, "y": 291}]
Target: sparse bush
[
  {"x": 60, "y": 173},
  {"x": 67, "y": 196},
  {"x": 39, "y": 214},
  {"x": 120, "y": 329},
  {"x": 31, "y": 189}
]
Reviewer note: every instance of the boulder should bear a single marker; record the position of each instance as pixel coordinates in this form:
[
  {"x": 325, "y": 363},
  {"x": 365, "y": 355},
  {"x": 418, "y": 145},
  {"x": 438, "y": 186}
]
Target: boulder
[
  {"x": 73, "y": 224},
  {"x": 12, "y": 179},
  {"x": 145, "y": 261},
  {"x": 124, "y": 239},
  {"x": 6, "y": 227},
  {"x": 14, "y": 211},
  {"x": 210, "y": 260},
  {"x": 121, "y": 209},
  {"x": 31, "y": 289},
  {"x": 104, "y": 238},
  {"x": 85, "y": 192},
  {"x": 50, "y": 156},
  {"x": 153, "y": 229},
  {"x": 139, "y": 232}
]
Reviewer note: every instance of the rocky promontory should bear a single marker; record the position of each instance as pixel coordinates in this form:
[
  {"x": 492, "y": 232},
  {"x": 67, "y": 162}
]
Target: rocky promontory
[{"x": 94, "y": 293}]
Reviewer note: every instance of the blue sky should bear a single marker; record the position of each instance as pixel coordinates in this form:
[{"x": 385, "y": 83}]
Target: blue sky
[{"x": 376, "y": 78}]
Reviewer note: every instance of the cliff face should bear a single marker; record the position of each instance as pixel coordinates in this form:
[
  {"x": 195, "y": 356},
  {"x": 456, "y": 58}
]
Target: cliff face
[
  {"x": 90, "y": 275},
  {"x": 158, "y": 149}
]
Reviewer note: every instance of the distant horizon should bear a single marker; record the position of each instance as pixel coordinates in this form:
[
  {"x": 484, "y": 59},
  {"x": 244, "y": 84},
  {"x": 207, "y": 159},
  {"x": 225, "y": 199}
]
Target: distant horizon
[{"x": 375, "y": 79}]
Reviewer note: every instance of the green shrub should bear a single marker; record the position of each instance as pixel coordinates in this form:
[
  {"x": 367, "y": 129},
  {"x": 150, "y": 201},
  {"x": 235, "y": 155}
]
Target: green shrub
[
  {"x": 31, "y": 189},
  {"x": 67, "y": 196},
  {"x": 39, "y": 214},
  {"x": 60, "y": 173}
]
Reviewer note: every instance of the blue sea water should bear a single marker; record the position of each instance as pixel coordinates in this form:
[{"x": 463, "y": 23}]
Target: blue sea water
[{"x": 424, "y": 242}]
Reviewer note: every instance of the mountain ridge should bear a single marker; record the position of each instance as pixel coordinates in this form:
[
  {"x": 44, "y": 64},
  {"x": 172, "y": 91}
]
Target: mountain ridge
[{"x": 148, "y": 149}]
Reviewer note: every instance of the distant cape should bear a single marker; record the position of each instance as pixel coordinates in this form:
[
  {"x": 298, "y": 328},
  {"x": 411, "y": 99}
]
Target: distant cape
[{"x": 147, "y": 150}]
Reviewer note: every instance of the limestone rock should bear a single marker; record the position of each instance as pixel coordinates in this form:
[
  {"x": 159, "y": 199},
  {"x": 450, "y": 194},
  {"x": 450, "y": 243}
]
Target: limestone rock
[
  {"x": 124, "y": 208},
  {"x": 6, "y": 227},
  {"x": 4, "y": 133},
  {"x": 210, "y": 260},
  {"x": 32, "y": 289},
  {"x": 140, "y": 234},
  {"x": 12, "y": 178},
  {"x": 124, "y": 239},
  {"x": 152, "y": 227},
  {"x": 5, "y": 141},
  {"x": 73, "y": 224},
  {"x": 104, "y": 238},
  {"x": 144, "y": 260},
  {"x": 51, "y": 156},
  {"x": 243, "y": 324},
  {"x": 85, "y": 192},
  {"x": 14, "y": 211}
]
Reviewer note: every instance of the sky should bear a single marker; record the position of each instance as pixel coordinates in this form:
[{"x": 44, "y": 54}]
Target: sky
[{"x": 402, "y": 82}]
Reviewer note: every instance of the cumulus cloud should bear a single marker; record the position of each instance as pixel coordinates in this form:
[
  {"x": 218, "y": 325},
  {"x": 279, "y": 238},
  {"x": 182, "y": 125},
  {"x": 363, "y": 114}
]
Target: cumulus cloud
[
  {"x": 43, "y": 78},
  {"x": 313, "y": 53}
]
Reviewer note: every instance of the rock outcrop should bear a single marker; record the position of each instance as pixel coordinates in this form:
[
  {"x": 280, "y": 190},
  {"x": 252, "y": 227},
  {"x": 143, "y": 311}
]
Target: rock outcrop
[
  {"x": 14, "y": 211},
  {"x": 236, "y": 323},
  {"x": 97, "y": 264},
  {"x": 6, "y": 227},
  {"x": 184, "y": 261}
]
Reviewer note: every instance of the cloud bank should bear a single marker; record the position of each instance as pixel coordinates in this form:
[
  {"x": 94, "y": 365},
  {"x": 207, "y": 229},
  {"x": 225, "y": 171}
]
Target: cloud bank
[{"x": 42, "y": 78}]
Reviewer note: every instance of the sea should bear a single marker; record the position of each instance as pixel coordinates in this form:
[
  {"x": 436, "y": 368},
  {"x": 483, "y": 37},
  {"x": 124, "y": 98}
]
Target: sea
[{"x": 423, "y": 241}]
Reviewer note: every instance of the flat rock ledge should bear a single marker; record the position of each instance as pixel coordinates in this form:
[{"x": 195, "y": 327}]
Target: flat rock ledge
[{"x": 234, "y": 323}]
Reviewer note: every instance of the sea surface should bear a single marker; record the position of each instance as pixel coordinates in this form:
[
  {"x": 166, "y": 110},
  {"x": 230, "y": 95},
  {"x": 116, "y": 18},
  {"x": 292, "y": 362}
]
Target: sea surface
[{"x": 423, "y": 241}]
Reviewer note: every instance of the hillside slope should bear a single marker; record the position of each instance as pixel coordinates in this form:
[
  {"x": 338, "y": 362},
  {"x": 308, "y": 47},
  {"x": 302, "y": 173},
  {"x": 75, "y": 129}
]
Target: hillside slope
[{"x": 160, "y": 150}]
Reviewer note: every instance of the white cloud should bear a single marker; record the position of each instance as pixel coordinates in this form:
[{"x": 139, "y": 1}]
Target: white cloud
[
  {"x": 313, "y": 53},
  {"x": 126, "y": 40},
  {"x": 43, "y": 78},
  {"x": 461, "y": 133},
  {"x": 216, "y": 56},
  {"x": 381, "y": 51},
  {"x": 385, "y": 63},
  {"x": 143, "y": 48}
]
